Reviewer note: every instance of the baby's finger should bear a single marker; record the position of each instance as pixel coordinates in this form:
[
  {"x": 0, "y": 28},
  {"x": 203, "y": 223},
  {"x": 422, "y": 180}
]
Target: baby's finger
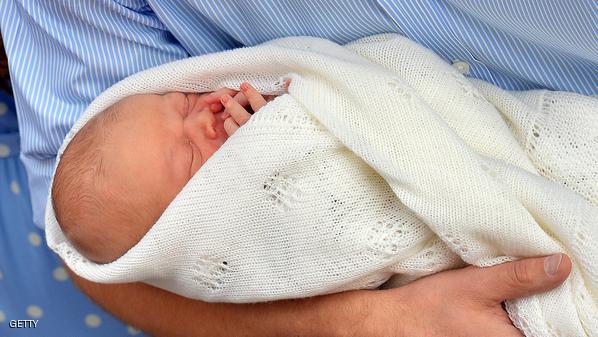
[
  {"x": 230, "y": 126},
  {"x": 269, "y": 98},
  {"x": 256, "y": 100},
  {"x": 241, "y": 99},
  {"x": 235, "y": 110},
  {"x": 215, "y": 96}
]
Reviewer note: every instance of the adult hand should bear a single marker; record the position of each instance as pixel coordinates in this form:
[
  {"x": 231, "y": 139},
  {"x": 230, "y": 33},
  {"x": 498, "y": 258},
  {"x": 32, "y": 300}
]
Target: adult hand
[{"x": 463, "y": 302}]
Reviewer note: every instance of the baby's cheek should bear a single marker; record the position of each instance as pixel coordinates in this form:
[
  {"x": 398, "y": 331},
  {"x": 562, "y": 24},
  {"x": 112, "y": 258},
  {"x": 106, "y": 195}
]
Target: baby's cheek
[
  {"x": 170, "y": 190},
  {"x": 212, "y": 148}
]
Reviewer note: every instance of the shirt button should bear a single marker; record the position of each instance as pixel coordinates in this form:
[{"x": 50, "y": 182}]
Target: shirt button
[
  {"x": 4, "y": 151},
  {"x": 461, "y": 66}
]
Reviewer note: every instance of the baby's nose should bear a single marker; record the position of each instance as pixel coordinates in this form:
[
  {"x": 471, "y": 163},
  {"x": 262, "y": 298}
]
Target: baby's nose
[{"x": 200, "y": 126}]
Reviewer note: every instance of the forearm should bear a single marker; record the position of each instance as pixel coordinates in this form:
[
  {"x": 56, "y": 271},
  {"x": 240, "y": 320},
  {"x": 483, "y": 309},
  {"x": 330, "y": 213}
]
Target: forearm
[{"x": 161, "y": 313}]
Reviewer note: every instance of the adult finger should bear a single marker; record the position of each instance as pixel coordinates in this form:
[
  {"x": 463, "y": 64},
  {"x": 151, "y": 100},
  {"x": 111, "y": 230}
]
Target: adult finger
[
  {"x": 519, "y": 278},
  {"x": 235, "y": 110},
  {"x": 230, "y": 126},
  {"x": 256, "y": 100}
]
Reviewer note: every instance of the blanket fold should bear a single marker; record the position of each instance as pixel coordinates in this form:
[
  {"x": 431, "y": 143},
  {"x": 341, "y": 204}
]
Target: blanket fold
[{"x": 381, "y": 164}]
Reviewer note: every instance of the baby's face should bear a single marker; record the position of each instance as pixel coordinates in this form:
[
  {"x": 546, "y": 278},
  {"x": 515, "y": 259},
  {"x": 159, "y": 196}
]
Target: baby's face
[{"x": 160, "y": 142}]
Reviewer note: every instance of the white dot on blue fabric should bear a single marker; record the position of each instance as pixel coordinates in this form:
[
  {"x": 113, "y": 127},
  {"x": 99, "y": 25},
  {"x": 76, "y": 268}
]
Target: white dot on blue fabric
[
  {"x": 3, "y": 109},
  {"x": 2, "y": 316},
  {"x": 133, "y": 331},
  {"x": 15, "y": 188},
  {"x": 93, "y": 321},
  {"x": 4, "y": 151},
  {"x": 1, "y": 276},
  {"x": 34, "y": 311},
  {"x": 60, "y": 274},
  {"x": 34, "y": 239}
]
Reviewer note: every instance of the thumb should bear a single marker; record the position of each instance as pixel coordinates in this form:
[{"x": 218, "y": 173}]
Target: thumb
[{"x": 521, "y": 278}]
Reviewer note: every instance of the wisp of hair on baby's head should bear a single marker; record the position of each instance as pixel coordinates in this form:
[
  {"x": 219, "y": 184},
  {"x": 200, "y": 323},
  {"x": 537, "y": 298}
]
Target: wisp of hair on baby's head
[{"x": 91, "y": 213}]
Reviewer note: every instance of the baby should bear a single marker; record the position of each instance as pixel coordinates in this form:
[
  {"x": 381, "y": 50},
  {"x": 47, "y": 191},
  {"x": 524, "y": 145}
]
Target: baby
[{"x": 128, "y": 163}]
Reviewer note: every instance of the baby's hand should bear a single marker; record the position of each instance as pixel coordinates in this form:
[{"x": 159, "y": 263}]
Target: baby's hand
[
  {"x": 212, "y": 100},
  {"x": 234, "y": 108}
]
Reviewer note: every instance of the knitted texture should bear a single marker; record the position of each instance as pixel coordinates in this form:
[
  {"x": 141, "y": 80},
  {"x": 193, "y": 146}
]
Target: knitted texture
[{"x": 382, "y": 164}]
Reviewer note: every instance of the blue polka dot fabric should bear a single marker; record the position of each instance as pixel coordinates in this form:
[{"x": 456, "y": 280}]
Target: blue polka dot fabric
[{"x": 37, "y": 298}]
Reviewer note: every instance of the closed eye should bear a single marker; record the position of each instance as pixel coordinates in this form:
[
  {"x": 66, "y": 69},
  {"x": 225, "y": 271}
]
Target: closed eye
[
  {"x": 192, "y": 158},
  {"x": 186, "y": 106}
]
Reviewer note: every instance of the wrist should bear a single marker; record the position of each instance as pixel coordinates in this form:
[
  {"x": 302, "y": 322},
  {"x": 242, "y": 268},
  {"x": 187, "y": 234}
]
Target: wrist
[
  {"x": 373, "y": 313},
  {"x": 333, "y": 315},
  {"x": 343, "y": 314}
]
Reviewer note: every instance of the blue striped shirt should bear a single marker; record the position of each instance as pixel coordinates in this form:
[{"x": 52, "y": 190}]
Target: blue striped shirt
[{"x": 63, "y": 53}]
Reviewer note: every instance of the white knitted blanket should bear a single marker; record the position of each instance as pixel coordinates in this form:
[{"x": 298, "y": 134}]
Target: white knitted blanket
[{"x": 382, "y": 160}]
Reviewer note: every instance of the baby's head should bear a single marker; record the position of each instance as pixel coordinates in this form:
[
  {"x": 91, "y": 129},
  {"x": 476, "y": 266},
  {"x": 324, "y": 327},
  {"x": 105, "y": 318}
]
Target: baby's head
[{"x": 126, "y": 165}]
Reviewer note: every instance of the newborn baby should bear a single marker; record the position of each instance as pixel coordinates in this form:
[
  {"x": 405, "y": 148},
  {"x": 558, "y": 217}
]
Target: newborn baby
[
  {"x": 383, "y": 164},
  {"x": 128, "y": 163}
]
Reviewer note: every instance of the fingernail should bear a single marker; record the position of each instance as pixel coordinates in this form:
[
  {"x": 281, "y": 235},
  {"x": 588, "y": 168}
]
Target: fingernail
[
  {"x": 551, "y": 264},
  {"x": 225, "y": 98},
  {"x": 243, "y": 86}
]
